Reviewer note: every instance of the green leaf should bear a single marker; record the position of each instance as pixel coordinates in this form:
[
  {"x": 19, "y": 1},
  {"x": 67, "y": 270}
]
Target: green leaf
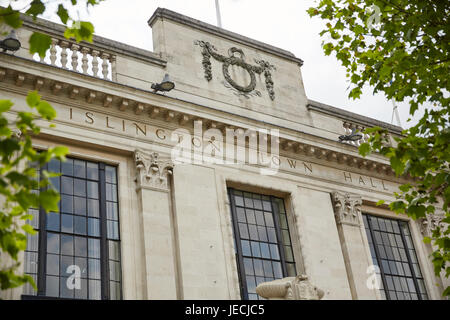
[
  {"x": 11, "y": 17},
  {"x": 63, "y": 14},
  {"x": 36, "y": 8},
  {"x": 364, "y": 149},
  {"x": 427, "y": 240},
  {"x": 49, "y": 200},
  {"x": 40, "y": 43},
  {"x": 46, "y": 110},
  {"x": 33, "y": 98},
  {"x": 5, "y": 105}
]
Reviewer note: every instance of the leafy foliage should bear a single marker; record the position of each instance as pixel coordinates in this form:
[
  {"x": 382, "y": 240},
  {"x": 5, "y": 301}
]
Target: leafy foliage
[
  {"x": 401, "y": 48},
  {"x": 19, "y": 181},
  {"x": 39, "y": 42}
]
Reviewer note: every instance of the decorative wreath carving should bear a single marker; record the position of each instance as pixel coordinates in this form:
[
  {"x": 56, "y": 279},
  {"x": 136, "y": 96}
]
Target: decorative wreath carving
[{"x": 237, "y": 60}]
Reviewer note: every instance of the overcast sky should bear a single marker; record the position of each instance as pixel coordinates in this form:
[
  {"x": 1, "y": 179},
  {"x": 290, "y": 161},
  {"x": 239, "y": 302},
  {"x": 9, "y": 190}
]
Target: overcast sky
[{"x": 283, "y": 23}]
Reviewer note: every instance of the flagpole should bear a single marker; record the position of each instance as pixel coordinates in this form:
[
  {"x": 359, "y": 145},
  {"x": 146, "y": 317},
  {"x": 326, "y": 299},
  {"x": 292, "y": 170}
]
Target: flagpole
[{"x": 219, "y": 17}]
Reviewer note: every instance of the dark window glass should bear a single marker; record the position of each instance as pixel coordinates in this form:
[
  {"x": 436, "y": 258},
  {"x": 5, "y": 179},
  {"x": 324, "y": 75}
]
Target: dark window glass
[
  {"x": 262, "y": 235},
  {"x": 77, "y": 260},
  {"x": 393, "y": 252}
]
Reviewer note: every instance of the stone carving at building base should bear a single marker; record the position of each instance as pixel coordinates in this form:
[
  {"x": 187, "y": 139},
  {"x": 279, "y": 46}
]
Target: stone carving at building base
[{"x": 291, "y": 288}]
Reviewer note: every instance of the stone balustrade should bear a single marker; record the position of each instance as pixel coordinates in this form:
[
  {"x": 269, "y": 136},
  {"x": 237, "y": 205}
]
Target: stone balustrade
[{"x": 80, "y": 58}]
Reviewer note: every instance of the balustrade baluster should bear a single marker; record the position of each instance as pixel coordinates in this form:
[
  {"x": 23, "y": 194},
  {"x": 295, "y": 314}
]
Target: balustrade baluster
[
  {"x": 105, "y": 65},
  {"x": 75, "y": 48},
  {"x": 53, "y": 51},
  {"x": 64, "y": 45},
  {"x": 84, "y": 60},
  {"x": 95, "y": 54}
]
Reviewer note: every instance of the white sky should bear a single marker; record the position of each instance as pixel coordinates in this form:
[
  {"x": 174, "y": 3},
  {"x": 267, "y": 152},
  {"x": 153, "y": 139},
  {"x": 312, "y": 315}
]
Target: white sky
[{"x": 283, "y": 23}]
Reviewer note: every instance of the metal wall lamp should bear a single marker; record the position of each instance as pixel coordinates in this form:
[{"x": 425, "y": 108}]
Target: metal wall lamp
[
  {"x": 10, "y": 43},
  {"x": 351, "y": 137},
  {"x": 166, "y": 85}
]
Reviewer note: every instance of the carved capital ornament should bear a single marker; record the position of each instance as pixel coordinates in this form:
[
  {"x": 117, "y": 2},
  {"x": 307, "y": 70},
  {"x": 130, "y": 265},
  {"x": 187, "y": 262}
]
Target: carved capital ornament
[
  {"x": 152, "y": 172},
  {"x": 347, "y": 208}
]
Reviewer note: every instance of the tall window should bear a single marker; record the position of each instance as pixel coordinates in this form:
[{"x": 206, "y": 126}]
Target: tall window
[
  {"x": 393, "y": 252},
  {"x": 262, "y": 239},
  {"x": 76, "y": 252}
]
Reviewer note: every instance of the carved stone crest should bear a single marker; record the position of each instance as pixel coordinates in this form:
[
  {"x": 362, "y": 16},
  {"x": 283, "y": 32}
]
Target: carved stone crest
[
  {"x": 151, "y": 171},
  {"x": 347, "y": 208},
  {"x": 236, "y": 57},
  {"x": 291, "y": 288}
]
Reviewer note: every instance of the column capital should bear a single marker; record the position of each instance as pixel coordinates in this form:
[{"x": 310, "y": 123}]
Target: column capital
[
  {"x": 347, "y": 208},
  {"x": 152, "y": 172}
]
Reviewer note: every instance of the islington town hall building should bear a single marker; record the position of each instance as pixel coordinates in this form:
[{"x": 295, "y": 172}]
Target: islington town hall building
[{"x": 202, "y": 171}]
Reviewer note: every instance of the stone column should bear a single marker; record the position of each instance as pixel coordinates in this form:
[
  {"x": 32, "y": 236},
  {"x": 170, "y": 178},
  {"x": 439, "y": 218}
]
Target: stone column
[
  {"x": 347, "y": 211},
  {"x": 153, "y": 190}
]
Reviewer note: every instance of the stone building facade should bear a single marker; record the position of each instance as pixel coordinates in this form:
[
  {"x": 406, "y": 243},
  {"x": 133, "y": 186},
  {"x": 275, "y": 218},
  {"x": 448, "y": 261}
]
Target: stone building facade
[{"x": 232, "y": 179}]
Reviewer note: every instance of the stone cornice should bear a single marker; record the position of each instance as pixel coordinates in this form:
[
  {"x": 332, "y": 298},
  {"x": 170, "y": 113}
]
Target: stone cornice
[
  {"x": 162, "y": 13},
  {"x": 350, "y": 116},
  {"x": 103, "y": 97}
]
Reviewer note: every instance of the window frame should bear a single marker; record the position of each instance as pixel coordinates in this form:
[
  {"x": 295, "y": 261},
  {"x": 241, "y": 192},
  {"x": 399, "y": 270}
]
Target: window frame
[
  {"x": 378, "y": 257},
  {"x": 105, "y": 278},
  {"x": 237, "y": 240}
]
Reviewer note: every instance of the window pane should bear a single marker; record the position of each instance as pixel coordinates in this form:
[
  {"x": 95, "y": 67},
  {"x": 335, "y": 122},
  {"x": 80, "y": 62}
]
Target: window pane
[
  {"x": 114, "y": 290},
  {"x": 79, "y": 225},
  {"x": 67, "y": 185},
  {"x": 53, "y": 221},
  {"x": 94, "y": 268},
  {"x": 114, "y": 250},
  {"x": 93, "y": 208},
  {"x": 31, "y": 260},
  {"x": 111, "y": 211},
  {"x": 82, "y": 292},
  {"x": 66, "y": 204},
  {"x": 79, "y": 169},
  {"x": 94, "y": 248},
  {"x": 79, "y": 206},
  {"x": 246, "y": 248},
  {"x": 111, "y": 192},
  {"x": 52, "y": 286},
  {"x": 52, "y": 243},
  {"x": 94, "y": 227},
  {"x": 66, "y": 262},
  {"x": 83, "y": 265},
  {"x": 110, "y": 174},
  {"x": 67, "y": 245},
  {"x": 67, "y": 167},
  {"x": 265, "y": 252},
  {"x": 114, "y": 270},
  {"x": 67, "y": 286},
  {"x": 81, "y": 247},
  {"x": 92, "y": 171},
  {"x": 67, "y": 223},
  {"x": 79, "y": 187},
  {"x": 53, "y": 264},
  {"x": 94, "y": 289},
  {"x": 113, "y": 230},
  {"x": 92, "y": 190}
]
